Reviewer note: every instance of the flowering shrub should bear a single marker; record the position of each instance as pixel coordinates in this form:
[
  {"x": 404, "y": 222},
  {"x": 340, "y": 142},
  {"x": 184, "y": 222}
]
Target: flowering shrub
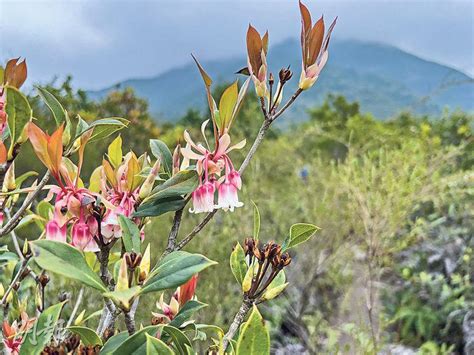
[{"x": 101, "y": 220}]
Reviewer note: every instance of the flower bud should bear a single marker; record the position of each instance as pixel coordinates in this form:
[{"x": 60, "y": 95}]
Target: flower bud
[
  {"x": 43, "y": 279},
  {"x": 9, "y": 183},
  {"x": 271, "y": 79},
  {"x": 133, "y": 259},
  {"x": 144, "y": 268},
  {"x": 147, "y": 186},
  {"x": 176, "y": 159},
  {"x": 285, "y": 75}
]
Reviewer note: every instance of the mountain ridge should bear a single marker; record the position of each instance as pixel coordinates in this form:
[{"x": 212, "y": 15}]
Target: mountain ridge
[{"x": 383, "y": 78}]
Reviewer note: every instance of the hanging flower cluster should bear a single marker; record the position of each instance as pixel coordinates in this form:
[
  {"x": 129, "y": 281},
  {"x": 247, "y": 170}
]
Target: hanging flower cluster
[
  {"x": 217, "y": 174},
  {"x": 90, "y": 214},
  {"x": 73, "y": 206}
]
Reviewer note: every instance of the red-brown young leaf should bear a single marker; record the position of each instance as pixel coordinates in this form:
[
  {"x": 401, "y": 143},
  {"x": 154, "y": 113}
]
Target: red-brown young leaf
[
  {"x": 15, "y": 73},
  {"x": 265, "y": 42},
  {"x": 328, "y": 35},
  {"x": 186, "y": 291},
  {"x": 3, "y": 153},
  {"x": 39, "y": 141},
  {"x": 316, "y": 41},
  {"x": 254, "y": 49},
  {"x": 55, "y": 149},
  {"x": 305, "y": 31}
]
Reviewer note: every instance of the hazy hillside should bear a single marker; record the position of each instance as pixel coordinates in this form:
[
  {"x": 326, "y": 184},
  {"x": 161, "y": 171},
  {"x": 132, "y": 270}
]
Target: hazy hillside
[{"x": 384, "y": 79}]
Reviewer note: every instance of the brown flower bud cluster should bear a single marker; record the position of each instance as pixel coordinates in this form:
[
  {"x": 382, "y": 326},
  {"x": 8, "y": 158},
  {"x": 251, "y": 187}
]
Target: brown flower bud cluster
[
  {"x": 285, "y": 75},
  {"x": 270, "y": 261},
  {"x": 70, "y": 345},
  {"x": 133, "y": 260}
]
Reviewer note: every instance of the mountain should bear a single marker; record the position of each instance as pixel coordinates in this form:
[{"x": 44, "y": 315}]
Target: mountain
[{"x": 384, "y": 79}]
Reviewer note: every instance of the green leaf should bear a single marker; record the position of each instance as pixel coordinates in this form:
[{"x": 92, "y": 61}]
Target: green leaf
[
  {"x": 254, "y": 337},
  {"x": 159, "y": 207},
  {"x": 88, "y": 336},
  {"x": 130, "y": 234},
  {"x": 276, "y": 287},
  {"x": 125, "y": 297},
  {"x": 135, "y": 344},
  {"x": 59, "y": 113},
  {"x": 6, "y": 256},
  {"x": 238, "y": 265},
  {"x": 174, "y": 270},
  {"x": 227, "y": 104},
  {"x": 114, "y": 152},
  {"x": 180, "y": 184},
  {"x": 44, "y": 208},
  {"x": 156, "y": 346},
  {"x": 256, "y": 221},
  {"x": 299, "y": 233},
  {"x": 102, "y": 128},
  {"x": 167, "y": 196},
  {"x": 19, "y": 112},
  {"x": 180, "y": 340},
  {"x": 40, "y": 334},
  {"x": 65, "y": 260},
  {"x": 114, "y": 342},
  {"x": 160, "y": 150},
  {"x": 186, "y": 312}
]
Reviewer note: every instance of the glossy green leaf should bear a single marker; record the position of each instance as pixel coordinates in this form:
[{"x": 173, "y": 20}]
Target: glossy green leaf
[
  {"x": 299, "y": 233},
  {"x": 161, "y": 151},
  {"x": 238, "y": 264},
  {"x": 186, "y": 312},
  {"x": 88, "y": 336},
  {"x": 135, "y": 344},
  {"x": 18, "y": 111},
  {"x": 256, "y": 221},
  {"x": 65, "y": 260},
  {"x": 227, "y": 104},
  {"x": 159, "y": 207},
  {"x": 254, "y": 337},
  {"x": 114, "y": 342},
  {"x": 59, "y": 113},
  {"x": 156, "y": 346},
  {"x": 40, "y": 334},
  {"x": 180, "y": 340},
  {"x": 174, "y": 270},
  {"x": 130, "y": 234},
  {"x": 102, "y": 128},
  {"x": 180, "y": 184}
]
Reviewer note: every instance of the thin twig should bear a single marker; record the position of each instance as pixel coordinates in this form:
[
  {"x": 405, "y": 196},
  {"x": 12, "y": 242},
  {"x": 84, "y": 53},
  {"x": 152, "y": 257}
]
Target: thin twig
[
  {"x": 17, "y": 277},
  {"x": 288, "y": 104},
  {"x": 174, "y": 231},
  {"x": 16, "y": 218},
  {"x": 76, "y": 307}
]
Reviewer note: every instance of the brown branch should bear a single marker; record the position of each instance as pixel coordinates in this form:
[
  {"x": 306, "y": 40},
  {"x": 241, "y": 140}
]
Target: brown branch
[{"x": 238, "y": 320}]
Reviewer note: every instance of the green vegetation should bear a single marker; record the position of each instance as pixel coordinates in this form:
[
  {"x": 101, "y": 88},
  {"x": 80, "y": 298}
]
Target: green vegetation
[{"x": 393, "y": 260}]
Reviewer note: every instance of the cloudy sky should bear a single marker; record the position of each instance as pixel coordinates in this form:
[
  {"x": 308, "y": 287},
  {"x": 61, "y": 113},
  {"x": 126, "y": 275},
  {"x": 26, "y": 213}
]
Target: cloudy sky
[{"x": 101, "y": 42}]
